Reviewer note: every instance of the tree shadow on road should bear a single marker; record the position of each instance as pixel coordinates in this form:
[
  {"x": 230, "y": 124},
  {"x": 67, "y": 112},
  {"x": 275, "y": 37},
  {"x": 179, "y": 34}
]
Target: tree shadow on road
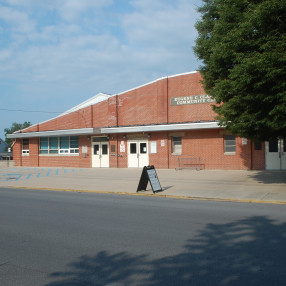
[{"x": 246, "y": 252}]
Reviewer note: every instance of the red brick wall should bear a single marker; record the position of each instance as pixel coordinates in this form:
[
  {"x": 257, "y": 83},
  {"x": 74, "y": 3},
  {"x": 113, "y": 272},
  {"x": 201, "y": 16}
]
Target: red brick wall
[
  {"x": 161, "y": 158},
  {"x": 139, "y": 106},
  {"x": 78, "y": 119},
  {"x": 208, "y": 146},
  {"x": 100, "y": 114},
  {"x": 17, "y": 152},
  {"x": 258, "y": 158},
  {"x": 187, "y": 85}
]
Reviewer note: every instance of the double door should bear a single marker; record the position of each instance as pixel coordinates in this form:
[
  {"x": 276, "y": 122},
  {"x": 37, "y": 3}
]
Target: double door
[
  {"x": 100, "y": 155},
  {"x": 138, "y": 156},
  {"x": 275, "y": 154}
]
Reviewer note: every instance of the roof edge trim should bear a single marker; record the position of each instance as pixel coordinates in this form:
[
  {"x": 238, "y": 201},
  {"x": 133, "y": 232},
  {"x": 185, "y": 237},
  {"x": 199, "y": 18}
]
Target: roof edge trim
[
  {"x": 164, "y": 77},
  {"x": 162, "y": 127},
  {"x": 66, "y": 132}
]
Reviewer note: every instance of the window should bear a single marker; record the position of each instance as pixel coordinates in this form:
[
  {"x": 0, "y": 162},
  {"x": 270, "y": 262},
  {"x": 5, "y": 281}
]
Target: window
[
  {"x": 229, "y": 144},
  {"x": 273, "y": 146},
  {"x": 133, "y": 148},
  {"x": 25, "y": 146},
  {"x": 177, "y": 145},
  {"x": 54, "y": 145},
  {"x": 104, "y": 149},
  {"x": 59, "y": 145},
  {"x": 143, "y": 148}
]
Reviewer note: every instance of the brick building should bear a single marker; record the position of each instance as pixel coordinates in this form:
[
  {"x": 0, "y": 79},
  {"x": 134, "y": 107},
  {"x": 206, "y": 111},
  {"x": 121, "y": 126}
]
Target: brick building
[{"x": 166, "y": 123}]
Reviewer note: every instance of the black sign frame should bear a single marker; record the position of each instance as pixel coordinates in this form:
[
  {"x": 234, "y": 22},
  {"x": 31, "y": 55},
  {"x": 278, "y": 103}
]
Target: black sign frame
[{"x": 149, "y": 174}]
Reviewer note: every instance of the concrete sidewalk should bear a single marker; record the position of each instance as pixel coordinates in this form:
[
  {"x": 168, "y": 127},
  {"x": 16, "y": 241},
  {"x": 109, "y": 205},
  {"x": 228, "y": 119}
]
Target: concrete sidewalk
[{"x": 244, "y": 186}]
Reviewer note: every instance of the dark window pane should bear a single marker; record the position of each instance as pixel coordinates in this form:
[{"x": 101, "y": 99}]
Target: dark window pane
[
  {"x": 143, "y": 148},
  {"x": 74, "y": 142},
  {"x": 229, "y": 144},
  {"x": 104, "y": 149},
  {"x": 133, "y": 148},
  {"x": 54, "y": 143},
  {"x": 95, "y": 149},
  {"x": 273, "y": 146},
  {"x": 64, "y": 142},
  {"x": 44, "y": 143},
  {"x": 25, "y": 144}
]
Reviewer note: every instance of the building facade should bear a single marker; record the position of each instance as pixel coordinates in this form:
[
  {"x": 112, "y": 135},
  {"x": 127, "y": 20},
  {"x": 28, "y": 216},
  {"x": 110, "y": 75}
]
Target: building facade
[{"x": 168, "y": 123}]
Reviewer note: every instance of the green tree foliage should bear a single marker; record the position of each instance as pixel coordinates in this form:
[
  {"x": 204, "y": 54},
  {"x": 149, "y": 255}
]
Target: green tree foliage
[
  {"x": 242, "y": 44},
  {"x": 15, "y": 127}
]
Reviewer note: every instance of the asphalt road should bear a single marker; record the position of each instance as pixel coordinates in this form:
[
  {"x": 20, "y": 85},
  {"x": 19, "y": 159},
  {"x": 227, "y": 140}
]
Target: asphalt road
[{"x": 59, "y": 239}]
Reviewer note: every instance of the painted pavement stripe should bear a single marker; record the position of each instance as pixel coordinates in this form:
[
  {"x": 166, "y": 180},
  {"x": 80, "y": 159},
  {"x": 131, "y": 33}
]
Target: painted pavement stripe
[{"x": 18, "y": 178}]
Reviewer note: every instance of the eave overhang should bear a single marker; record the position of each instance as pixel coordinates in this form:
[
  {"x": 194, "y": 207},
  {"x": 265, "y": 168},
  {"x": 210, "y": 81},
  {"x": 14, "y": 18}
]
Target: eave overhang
[
  {"x": 67, "y": 132},
  {"x": 163, "y": 127},
  {"x": 118, "y": 130}
]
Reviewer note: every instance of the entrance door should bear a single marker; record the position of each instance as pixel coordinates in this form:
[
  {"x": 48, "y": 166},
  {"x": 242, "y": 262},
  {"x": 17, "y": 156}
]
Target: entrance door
[
  {"x": 100, "y": 156},
  {"x": 275, "y": 154},
  {"x": 138, "y": 156}
]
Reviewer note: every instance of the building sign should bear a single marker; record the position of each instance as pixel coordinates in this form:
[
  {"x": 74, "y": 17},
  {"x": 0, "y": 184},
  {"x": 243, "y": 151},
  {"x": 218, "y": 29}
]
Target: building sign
[
  {"x": 153, "y": 147},
  {"x": 84, "y": 149},
  {"x": 244, "y": 141},
  {"x": 193, "y": 99},
  {"x": 122, "y": 147}
]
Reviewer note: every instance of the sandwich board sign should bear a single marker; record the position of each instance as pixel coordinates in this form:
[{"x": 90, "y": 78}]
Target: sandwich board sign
[{"x": 149, "y": 174}]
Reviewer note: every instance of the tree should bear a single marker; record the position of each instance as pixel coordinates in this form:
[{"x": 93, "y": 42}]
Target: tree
[
  {"x": 242, "y": 44},
  {"x": 15, "y": 127}
]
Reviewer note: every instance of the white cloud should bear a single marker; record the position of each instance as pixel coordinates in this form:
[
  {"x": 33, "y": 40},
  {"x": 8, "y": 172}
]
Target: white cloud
[
  {"x": 61, "y": 52},
  {"x": 71, "y": 9},
  {"x": 167, "y": 26},
  {"x": 18, "y": 21}
]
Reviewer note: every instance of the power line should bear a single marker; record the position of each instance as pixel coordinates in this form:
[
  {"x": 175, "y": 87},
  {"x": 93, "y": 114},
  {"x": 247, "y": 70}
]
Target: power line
[{"x": 21, "y": 110}]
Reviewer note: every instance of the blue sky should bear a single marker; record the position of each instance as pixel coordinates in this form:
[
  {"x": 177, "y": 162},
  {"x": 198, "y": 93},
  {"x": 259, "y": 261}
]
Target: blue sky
[{"x": 55, "y": 54}]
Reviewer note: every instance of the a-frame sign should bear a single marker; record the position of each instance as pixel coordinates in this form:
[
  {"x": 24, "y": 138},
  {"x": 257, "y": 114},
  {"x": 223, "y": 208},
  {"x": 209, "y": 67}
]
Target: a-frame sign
[{"x": 149, "y": 174}]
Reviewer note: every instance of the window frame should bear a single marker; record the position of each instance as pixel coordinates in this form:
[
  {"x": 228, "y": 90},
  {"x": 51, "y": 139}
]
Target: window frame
[
  {"x": 229, "y": 142},
  {"x": 25, "y": 151},
  {"x": 64, "y": 144},
  {"x": 175, "y": 145}
]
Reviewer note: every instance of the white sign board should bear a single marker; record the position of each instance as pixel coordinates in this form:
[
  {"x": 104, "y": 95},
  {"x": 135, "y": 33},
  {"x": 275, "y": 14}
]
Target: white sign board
[
  {"x": 122, "y": 147},
  {"x": 153, "y": 147}
]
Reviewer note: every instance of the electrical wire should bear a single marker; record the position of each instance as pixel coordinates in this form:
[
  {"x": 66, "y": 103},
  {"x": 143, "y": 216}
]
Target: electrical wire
[{"x": 21, "y": 110}]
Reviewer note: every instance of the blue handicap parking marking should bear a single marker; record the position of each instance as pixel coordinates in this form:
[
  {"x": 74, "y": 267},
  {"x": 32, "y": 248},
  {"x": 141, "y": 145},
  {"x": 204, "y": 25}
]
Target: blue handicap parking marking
[
  {"x": 29, "y": 176},
  {"x": 33, "y": 173},
  {"x": 10, "y": 177}
]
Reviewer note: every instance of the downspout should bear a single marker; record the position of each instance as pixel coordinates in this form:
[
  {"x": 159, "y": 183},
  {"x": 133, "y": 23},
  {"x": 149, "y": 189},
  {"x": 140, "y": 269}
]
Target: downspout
[{"x": 13, "y": 143}]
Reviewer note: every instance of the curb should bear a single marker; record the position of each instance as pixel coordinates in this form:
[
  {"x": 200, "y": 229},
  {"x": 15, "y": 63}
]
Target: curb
[{"x": 233, "y": 200}]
